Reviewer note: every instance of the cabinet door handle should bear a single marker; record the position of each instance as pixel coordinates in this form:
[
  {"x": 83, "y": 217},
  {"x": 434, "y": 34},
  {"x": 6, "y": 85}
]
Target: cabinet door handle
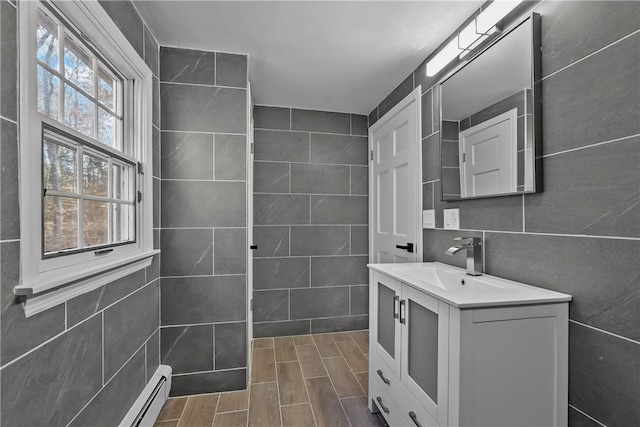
[
  {"x": 414, "y": 418},
  {"x": 395, "y": 306},
  {"x": 402, "y": 318},
  {"x": 381, "y": 375},
  {"x": 384, "y": 408}
]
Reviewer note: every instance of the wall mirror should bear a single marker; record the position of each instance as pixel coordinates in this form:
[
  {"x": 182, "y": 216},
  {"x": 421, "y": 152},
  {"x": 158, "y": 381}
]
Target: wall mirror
[{"x": 490, "y": 119}]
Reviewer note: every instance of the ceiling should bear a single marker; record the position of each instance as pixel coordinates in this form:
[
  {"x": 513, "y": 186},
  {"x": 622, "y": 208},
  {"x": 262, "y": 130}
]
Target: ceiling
[{"x": 328, "y": 55}]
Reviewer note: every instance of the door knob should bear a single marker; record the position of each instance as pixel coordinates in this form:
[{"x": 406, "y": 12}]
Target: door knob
[{"x": 408, "y": 247}]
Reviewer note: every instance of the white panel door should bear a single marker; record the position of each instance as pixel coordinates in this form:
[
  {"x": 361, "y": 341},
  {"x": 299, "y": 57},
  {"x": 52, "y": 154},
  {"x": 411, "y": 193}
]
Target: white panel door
[
  {"x": 488, "y": 156},
  {"x": 395, "y": 177}
]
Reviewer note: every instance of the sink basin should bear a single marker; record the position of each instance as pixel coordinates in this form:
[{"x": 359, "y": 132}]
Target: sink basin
[
  {"x": 453, "y": 285},
  {"x": 428, "y": 274}
]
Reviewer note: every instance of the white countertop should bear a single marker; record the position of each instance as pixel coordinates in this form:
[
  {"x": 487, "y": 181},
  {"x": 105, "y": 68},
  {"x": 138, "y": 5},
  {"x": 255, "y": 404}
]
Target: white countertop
[{"x": 444, "y": 282}]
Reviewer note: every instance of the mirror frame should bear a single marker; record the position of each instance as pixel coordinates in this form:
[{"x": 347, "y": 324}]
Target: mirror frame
[{"x": 536, "y": 94}]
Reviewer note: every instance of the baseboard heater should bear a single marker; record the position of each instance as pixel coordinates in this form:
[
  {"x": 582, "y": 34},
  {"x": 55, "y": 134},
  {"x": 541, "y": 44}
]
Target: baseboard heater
[{"x": 146, "y": 408}]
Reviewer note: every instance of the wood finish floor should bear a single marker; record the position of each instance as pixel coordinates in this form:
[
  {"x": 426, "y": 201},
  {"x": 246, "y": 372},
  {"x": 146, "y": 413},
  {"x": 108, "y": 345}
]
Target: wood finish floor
[{"x": 305, "y": 380}]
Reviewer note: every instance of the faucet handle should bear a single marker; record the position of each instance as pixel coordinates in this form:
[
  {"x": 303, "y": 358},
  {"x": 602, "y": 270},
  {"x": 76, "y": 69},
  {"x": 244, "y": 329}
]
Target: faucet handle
[{"x": 474, "y": 240}]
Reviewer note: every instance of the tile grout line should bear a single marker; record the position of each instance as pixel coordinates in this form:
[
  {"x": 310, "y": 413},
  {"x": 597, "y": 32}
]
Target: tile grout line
[
  {"x": 200, "y": 275},
  {"x": 102, "y": 387},
  {"x": 361, "y": 165},
  {"x": 186, "y": 374},
  {"x": 524, "y": 228},
  {"x": 310, "y": 132},
  {"x": 304, "y": 382},
  {"x": 586, "y": 415},
  {"x": 213, "y": 157},
  {"x": 205, "y": 228},
  {"x": 183, "y": 325},
  {"x": 603, "y": 331},
  {"x": 103, "y": 349},
  {"x": 200, "y": 180},
  {"x": 537, "y": 233},
  {"x": 184, "y": 408},
  {"x": 591, "y": 54},
  {"x": 331, "y": 380},
  {"x": 146, "y": 362},
  {"x": 215, "y": 410},
  {"x": 9, "y": 120},
  {"x": 250, "y": 384},
  {"x": 293, "y": 194},
  {"x": 595, "y": 144},
  {"x": 163, "y": 82},
  {"x": 275, "y": 368},
  {"x": 213, "y": 347},
  {"x": 202, "y": 132},
  {"x": 215, "y": 68},
  {"x": 233, "y": 411}
]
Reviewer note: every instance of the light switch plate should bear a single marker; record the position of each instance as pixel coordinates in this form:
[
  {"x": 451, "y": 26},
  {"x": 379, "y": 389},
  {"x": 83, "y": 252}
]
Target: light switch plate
[
  {"x": 429, "y": 218},
  {"x": 452, "y": 219}
]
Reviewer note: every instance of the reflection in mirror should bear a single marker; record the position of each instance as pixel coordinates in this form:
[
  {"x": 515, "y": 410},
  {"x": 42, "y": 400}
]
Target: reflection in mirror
[{"x": 489, "y": 137}]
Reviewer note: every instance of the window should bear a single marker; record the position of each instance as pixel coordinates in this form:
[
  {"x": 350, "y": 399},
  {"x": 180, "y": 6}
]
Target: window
[
  {"x": 85, "y": 137},
  {"x": 78, "y": 91},
  {"x": 88, "y": 191},
  {"x": 88, "y": 196}
]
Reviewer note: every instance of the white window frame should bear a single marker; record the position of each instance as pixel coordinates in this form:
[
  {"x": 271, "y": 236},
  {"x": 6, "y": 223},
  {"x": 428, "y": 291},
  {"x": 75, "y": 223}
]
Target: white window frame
[{"x": 46, "y": 282}]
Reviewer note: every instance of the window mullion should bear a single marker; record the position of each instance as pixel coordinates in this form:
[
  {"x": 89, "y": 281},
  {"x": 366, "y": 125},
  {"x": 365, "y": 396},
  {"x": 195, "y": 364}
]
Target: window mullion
[
  {"x": 95, "y": 95},
  {"x": 81, "y": 198},
  {"x": 61, "y": 111},
  {"x": 110, "y": 230}
]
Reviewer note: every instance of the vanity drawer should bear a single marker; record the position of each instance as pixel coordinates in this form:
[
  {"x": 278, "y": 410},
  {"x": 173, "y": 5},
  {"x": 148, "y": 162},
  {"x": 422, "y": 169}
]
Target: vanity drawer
[
  {"x": 403, "y": 399},
  {"x": 379, "y": 394},
  {"x": 415, "y": 414},
  {"x": 380, "y": 372}
]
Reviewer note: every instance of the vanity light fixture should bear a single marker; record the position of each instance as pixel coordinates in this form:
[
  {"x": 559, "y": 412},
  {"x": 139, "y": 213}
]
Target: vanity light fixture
[{"x": 478, "y": 30}]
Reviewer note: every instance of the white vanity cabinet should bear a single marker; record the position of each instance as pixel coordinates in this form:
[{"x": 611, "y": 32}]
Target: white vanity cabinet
[
  {"x": 438, "y": 360},
  {"x": 410, "y": 348}
]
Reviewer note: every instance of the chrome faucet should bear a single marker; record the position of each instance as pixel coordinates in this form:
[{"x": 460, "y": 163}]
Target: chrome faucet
[{"x": 473, "y": 246}]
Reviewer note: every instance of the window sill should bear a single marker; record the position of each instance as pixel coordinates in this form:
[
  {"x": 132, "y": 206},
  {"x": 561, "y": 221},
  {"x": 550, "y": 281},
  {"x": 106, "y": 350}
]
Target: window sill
[{"x": 56, "y": 289}]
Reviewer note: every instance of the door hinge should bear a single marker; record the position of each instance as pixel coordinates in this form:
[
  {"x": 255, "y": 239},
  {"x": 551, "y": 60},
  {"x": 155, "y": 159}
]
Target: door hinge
[
  {"x": 464, "y": 157},
  {"x": 251, "y": 304},
  {"x": 371, "y": 155},
  {"x": 252, "y": 145},
  {"x": 141, "y": 168}
]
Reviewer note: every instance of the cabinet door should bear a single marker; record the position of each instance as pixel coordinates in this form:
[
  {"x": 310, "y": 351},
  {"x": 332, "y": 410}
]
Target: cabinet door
[
  {"x": 425, "y": 350},
  {"x": 384, "y": 321}
]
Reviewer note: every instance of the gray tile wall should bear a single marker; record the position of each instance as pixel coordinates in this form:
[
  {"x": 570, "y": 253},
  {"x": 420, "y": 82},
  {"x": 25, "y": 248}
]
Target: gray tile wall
[
  {"x": 581, "y": 235},
  {"x": 310, "y": 221},
  {"x": 202, "y": 224},
  {"x": 86, "y": 361}
]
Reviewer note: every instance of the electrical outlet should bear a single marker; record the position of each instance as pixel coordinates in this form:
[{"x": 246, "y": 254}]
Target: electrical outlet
[
  {"x": 452, "y": 219},
  {"x": 429, "y": 218}
]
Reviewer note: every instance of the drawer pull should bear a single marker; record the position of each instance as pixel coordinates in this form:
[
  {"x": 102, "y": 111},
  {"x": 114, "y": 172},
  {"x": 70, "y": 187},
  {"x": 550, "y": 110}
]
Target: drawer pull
[
  {"x": 384, "y": 408},
  {"x": 381, "y": 375},
  {"x": 414, "y": 418},
  {"x": 402, "y": 312}
]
